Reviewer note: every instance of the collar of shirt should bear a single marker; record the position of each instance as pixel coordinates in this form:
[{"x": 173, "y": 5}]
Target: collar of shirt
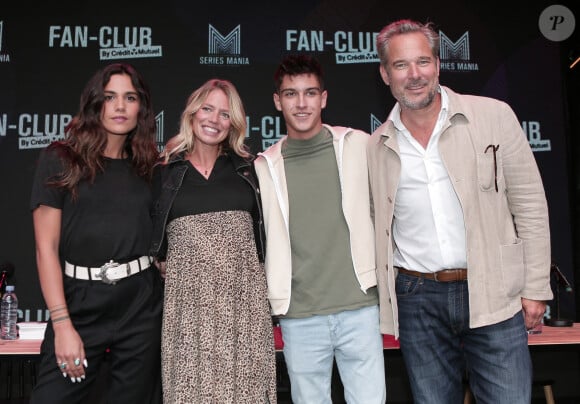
[{"x": 395, "y": 116}]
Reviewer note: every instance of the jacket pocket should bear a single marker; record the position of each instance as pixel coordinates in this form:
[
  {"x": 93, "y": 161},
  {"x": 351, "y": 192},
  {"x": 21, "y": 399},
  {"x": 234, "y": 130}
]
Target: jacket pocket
[
  {"x": 486, "y": 171},
  {"x": 512, "y": 267}
]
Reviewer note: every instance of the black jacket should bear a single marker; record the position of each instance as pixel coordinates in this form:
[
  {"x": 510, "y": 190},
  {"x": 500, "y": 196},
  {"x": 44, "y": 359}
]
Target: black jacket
[{"x": 167, "y": 181}]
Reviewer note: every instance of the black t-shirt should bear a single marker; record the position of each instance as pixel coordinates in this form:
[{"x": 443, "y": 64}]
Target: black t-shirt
[
  {"x": 224, "y": 190},
  {"x": 110, "y": 219}
]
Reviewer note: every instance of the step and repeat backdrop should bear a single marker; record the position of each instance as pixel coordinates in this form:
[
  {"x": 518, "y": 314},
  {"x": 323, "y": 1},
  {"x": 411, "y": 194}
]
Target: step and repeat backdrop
[{"x": 48, "y": 52}]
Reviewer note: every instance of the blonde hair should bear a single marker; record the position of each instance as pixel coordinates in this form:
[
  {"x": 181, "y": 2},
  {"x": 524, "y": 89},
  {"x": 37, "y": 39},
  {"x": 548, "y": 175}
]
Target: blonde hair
[{"x": 184, "y": 140}]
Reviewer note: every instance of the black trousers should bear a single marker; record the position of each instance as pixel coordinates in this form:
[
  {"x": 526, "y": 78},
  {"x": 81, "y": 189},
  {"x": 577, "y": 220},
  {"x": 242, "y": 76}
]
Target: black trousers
[{"x": 122, "y": 321}]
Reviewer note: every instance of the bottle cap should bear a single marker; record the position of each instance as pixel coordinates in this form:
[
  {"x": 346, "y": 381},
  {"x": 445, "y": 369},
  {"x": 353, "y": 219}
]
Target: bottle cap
[{"x": 9, "y": 288}]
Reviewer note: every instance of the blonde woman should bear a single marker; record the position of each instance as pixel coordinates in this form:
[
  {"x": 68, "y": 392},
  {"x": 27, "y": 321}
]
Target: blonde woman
[{"x": 217, "y": 343}]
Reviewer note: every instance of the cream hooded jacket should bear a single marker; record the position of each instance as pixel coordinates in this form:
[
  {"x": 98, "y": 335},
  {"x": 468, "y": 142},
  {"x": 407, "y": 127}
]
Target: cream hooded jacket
[{"x": 350, "y": 149}]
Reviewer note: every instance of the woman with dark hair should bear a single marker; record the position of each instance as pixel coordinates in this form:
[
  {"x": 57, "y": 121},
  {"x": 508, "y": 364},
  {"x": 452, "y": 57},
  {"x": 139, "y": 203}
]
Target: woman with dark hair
[
  {"x": 217, "y": 343},
  {"x": 90, "y": 203}
]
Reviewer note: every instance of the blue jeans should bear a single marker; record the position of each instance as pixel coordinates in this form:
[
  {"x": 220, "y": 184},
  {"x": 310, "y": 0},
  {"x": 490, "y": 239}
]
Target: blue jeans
[
  {"x": 351, "y": 337},
  {"x": 438, "y": 347}
]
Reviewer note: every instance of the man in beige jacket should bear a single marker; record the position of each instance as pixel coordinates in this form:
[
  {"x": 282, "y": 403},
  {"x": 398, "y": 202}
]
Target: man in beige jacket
[{"x": 462, "y": 232}]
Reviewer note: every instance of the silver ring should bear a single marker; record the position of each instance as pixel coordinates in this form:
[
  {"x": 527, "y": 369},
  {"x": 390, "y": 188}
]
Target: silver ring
[
  {"x": 77, "y": 361},
  {"x": 63, "y": 365}
]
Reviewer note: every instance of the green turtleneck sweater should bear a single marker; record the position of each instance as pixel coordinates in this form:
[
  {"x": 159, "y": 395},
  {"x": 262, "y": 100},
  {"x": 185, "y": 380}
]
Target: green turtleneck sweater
[{"x": 323, "y": 277}]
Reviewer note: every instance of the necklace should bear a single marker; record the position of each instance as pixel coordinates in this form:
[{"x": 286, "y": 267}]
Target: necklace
[{"x": 205, "y": 171}]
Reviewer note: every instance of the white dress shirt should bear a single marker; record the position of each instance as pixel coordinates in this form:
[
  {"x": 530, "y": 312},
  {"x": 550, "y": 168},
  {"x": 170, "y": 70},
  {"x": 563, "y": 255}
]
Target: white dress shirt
[{"x": 428, "y": 226}]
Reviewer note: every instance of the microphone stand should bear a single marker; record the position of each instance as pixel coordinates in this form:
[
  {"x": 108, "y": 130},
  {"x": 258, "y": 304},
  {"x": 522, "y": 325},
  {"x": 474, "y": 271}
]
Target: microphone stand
[
  {"x": 3, "y": 277},
  {"x": 6, "y": 271},
  {"x": 560, "y": 278}
]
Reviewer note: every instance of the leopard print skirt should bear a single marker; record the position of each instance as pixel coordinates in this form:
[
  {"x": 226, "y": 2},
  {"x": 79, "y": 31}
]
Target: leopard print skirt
[{"x": 217, "y": 342}]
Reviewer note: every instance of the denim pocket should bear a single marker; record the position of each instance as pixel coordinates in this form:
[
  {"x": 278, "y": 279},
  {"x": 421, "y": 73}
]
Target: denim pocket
[{"x": 406, "y": 285}]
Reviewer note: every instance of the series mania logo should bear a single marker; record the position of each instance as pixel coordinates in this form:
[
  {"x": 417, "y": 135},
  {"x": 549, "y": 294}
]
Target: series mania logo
[
  {"x": 159, "y": 125},
  {"x": 224, "y": 49},
  {"x": 455, "y": 56}
]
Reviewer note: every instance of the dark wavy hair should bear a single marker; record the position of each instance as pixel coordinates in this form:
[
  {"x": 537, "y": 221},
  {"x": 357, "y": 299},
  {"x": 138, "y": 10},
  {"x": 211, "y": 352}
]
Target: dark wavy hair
[
  {"x": 295, "y": 65},
  {"x": 85, "y": 137}
]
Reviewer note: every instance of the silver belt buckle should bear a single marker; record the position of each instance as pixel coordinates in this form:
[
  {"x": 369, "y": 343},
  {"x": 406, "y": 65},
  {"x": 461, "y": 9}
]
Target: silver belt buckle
[{"x": 103, "y": 272}]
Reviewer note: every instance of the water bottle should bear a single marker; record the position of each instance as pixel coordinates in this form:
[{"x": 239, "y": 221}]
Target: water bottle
[{"x": 9, "y": 314}]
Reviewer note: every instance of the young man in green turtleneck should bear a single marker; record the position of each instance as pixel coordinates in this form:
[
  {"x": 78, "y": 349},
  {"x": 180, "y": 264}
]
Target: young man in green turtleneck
[{"x": 320, "y": 258}]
